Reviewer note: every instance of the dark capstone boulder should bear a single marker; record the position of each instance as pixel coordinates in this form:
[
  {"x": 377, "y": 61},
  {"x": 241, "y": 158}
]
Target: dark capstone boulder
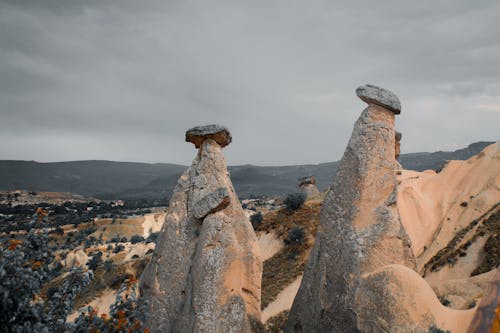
[
  {"x": 375, "y": 95},
  {"x": 218, "y": 133}
]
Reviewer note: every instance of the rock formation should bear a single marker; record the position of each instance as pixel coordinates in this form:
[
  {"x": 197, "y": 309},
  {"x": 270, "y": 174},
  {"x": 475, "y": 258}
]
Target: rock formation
[
  {"x": 219, "y": 134},
  {"x": 77, "y": 258},
  {"x": 395, "y": 298},
  {"x": 397, "y": 148},
  {"x": 487, "y": 316},
  {"x": 374, "y": 95},
  {"x": 360, "y": 230},
  {"x": 307, "y": 185},
  {"x": 205, "y": 274}
]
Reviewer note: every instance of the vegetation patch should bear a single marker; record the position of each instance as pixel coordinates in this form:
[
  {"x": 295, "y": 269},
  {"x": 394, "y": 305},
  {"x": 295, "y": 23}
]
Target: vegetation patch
[
  {"x": 434, "y": 329},
  {"x": 294, "y": 201},
  {"x": 454, "y": 249},
  {"x": 298, "y": 229},
  {"x": 491, "y": 258},
  {"x": 103, "y": 279},
  {"x": 275, "y": 324},
  {"x": 282, "y": 221}
]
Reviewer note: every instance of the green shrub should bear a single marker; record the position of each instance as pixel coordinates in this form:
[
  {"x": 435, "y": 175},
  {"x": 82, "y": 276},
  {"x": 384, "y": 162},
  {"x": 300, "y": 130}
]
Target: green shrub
[
  {"x": 256, "y": 219},
  {"x": 294, "y": 201},
  {"x": 136, "y": 239},
  {"x": 296, "y": 236}
]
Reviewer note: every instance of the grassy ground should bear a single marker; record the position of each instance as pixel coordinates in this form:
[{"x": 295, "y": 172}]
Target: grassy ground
[
  {"x": 286, "y": 265},
  {"x": 111, "y": 278},
  {"x": 275, "y": 324}
]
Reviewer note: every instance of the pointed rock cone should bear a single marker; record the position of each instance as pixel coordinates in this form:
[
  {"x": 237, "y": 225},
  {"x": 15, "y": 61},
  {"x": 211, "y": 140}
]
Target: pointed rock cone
[
  {"x": 205, "y": 274},
  {"x": 360, "y": 229}
]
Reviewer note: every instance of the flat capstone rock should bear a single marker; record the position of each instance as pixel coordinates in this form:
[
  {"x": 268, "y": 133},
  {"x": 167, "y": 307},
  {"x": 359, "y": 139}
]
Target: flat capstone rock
[
  {"x": 376, "y": 95},
  {"x": 218, "y": 133}
]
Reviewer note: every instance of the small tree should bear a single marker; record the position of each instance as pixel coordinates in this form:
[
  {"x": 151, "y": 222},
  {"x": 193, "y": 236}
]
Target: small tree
[
  {"x": 126, "y": 314},
  {"x": 296, "y": 236},
  {"x": 136, "y": 239},
  {"x": 294, "y": 201},
  {"x": 119, "y": 248},
  {"x": 153, "y": 237},
  {"x": 96, "y": 261},
  {"x": 256, "y": 219},
  {"x": 26, "y": 265}
]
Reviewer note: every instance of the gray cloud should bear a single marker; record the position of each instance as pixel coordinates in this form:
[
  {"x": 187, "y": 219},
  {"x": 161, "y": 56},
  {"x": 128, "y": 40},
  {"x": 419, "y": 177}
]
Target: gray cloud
[{"x": 124, "y": 80}]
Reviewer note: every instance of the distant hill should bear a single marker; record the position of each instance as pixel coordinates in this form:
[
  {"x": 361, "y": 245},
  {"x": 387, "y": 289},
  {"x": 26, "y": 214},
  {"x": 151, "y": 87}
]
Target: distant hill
[{"x": 125, "y": 180}]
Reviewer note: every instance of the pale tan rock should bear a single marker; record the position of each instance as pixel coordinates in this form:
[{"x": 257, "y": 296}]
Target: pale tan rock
[
  {"x": 465, "y": 291},
  {"x": 269, "y": 244},
  {"x": 360, "y": 230},
  {"x": 397, "y": 299},
  {"x": 76, "y": 258},
  {"x": 283, "y": 300},
  {"x": 205, "y": 274},
  {"x": 430, "y": 203},
  {"x": 139, "y": 250}
]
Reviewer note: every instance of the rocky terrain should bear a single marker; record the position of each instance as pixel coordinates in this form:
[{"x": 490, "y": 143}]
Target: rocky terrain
[{"x": 384, "y": 249}]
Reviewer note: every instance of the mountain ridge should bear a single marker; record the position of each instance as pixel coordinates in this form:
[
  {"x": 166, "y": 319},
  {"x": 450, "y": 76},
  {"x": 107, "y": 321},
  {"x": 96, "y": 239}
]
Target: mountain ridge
[{"x": 106, "y": 179}]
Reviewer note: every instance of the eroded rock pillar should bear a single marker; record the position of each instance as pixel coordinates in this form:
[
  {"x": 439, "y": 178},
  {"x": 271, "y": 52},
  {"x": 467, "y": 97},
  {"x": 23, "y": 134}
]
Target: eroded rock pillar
[
  {"x": 205, "y": 274},
  {"x": 360, "y": 229}
]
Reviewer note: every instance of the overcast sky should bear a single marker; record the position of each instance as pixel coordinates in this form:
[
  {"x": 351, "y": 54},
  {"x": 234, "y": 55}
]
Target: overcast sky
[{"x": 123, "y": 80}]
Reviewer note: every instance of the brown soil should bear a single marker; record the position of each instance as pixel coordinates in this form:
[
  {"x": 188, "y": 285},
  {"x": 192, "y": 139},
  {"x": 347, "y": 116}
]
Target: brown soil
[
  {"x": 286, "y": 265},
  {"x": 282, "y": 221},
  {"x": 275, "y": 324}
]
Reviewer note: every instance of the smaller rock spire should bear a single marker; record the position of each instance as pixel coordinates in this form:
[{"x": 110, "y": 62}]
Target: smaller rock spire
[
  {"x": 397, "y": 149},
  {"x": 307, "y": 185}
]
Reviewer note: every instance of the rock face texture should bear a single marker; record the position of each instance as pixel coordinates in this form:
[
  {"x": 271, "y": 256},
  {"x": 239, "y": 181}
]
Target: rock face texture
[
  {"x": 379, "y": 96},
  {"x": 360, "y": 230},
  {"x": 308, "y": 186},
  {"x": 205, "y": 274}
]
